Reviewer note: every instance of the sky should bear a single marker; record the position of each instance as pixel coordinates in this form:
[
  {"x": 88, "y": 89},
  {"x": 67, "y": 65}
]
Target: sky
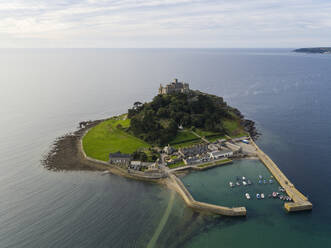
[{"x": 164, "y": 23}]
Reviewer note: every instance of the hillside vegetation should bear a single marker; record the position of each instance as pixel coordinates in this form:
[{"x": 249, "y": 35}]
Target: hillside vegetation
[{"x": 157, "y": 122}]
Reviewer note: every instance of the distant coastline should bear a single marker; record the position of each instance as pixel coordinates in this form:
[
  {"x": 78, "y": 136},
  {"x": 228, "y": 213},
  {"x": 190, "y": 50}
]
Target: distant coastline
[{"x": 320, "y": 50}]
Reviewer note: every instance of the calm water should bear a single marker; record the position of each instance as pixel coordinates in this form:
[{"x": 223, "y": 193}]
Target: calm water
[{"x": 45, "y": 93}]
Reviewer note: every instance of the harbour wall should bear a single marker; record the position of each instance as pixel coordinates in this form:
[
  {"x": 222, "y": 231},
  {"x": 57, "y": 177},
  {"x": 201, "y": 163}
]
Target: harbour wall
[
  {"x": 176, "y": 184},
  {"x": 300, "y": 202}
]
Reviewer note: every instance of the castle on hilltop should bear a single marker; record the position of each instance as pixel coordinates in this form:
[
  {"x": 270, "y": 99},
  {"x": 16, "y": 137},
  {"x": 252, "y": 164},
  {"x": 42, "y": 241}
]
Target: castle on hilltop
[{"x": 174, "y": 87}]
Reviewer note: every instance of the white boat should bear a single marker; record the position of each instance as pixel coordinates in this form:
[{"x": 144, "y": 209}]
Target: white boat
[
  {"x": 231, "y": 184},
  {"x": 244, "y": 183},
  {"x": 262, "y": 195},
  {"x": 237, "y": 183},
  {"x": 249, "y": 182},
  {"x": 258, "y": 196},
  {"x": 244, "y": 178},
  {"x": 248, "y": 196},
  {"x": 260, "y": 177}
]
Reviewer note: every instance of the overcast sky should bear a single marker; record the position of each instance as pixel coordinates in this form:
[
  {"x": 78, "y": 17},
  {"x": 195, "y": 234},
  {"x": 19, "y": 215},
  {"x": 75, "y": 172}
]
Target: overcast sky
[{"x": 165, "y": 23}]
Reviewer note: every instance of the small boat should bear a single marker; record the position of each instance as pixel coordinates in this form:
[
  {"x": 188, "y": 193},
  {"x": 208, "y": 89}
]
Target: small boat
[
  {"x": 231, "y": 184},
  {"x": 260, "y": 177},
  {"x": 238, "y": 183},
  {"x": 244, "y": 183},
  {"x": 289, "y": 199},
  {"x": 260, "y": 181},
  {"x": 249, "y": 182},
  {"x": 258, "y": 196},
  {"x": 262, "y": 195},
  {"x": 281, "y": 189},
  {"x": 264, "y": 181},
  {"x": 274, "y": 194},
  {"x": 248, "y": 196},
  {"x": 281, "y": 197},
  {"x": 270, "y": 181},
  {"x": 244, "y": 178}
]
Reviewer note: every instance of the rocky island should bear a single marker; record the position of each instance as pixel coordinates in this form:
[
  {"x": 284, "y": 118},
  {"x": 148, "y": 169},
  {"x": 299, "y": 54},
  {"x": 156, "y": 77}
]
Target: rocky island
[
  {"x": 321, "y": 50},
  {"x": 179, "y": 130}
]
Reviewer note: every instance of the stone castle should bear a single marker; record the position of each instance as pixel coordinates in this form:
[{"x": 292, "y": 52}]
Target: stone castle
[{"x": 174, "y": 87}]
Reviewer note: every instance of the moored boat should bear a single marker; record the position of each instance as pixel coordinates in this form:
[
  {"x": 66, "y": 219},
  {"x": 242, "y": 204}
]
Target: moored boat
[
  {"x": 264, "y": 181},
  {"x": 244, "y": 183},
  {"x": 238, "y": 183},
  {"x": 262, "y": 195},
  {"x": 248, "y": 196},
  {"x": 258, "y": 196},
  {"x": 260, "y": 177},
  {"x": 274, "y": 194},
  {"x": 231, "y": 184},
  {"x": 244, "y": 178},
  {"x": 270, "y": 181},
  {"x": 249, "y": 182}
]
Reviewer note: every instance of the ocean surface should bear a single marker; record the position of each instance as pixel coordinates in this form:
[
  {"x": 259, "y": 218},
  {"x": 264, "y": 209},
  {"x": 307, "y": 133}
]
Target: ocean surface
[{"x": 45, "y": 93}]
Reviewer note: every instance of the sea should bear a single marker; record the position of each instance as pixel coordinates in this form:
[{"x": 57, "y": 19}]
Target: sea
[{"x": 45, "y": 93}]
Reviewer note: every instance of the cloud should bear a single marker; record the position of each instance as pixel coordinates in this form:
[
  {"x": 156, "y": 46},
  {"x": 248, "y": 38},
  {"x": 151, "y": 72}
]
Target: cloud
[{"x": 167, "y": 23}]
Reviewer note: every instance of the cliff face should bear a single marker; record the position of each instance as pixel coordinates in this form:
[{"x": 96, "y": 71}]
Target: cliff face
[{"x": 314, "y": 50}]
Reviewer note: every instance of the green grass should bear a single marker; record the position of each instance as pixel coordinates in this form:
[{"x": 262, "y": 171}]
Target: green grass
[
  {"x": 233, "y": 128},
  {"x": 187, "y": 144},
  {"x": 214, "y": 163},
  {"x": 217, "y": 137},
  {"x": 106, "y": 137},
  {"x": 184, "y": 136},
  {"x": 204, "y": 133},
  {"x": 175, "y": 165}
]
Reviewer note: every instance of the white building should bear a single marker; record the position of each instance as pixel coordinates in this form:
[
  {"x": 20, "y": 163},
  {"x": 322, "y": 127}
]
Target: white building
[{"x": 220, "y": 154}]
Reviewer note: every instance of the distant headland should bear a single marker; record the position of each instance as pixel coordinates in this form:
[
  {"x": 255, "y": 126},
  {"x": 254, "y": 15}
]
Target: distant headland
[{"x": 321, "y": 50}]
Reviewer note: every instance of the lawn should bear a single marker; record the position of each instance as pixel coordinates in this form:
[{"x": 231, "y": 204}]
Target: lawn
[
  {"x": 204, "y": 133},
  {"x": 215, "y": 163},
  {"x": 183, "y": 137},
  {"x": 233, "y": 128},
  {"x": 188, "y": 143},
  {"x": 108, "y": 137},
  {"x": 178, "y": 164}
]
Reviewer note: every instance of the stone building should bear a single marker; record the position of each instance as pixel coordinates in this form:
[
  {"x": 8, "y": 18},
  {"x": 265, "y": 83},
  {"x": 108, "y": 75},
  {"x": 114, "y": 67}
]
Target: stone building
[
  {"x": 174, "y": 87},
  {"x": 119, "y": 158}
]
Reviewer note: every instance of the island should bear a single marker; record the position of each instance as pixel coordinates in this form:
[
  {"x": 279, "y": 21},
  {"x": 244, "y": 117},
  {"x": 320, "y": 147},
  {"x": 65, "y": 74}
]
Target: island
[
  {"x": 179, "y": 130},
  {"x": 322, "y": 50}
]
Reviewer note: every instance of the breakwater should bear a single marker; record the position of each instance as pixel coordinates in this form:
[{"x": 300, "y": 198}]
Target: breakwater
[
  {"x": 175, "y": 183},
  {"x": 300, "y": 202}
]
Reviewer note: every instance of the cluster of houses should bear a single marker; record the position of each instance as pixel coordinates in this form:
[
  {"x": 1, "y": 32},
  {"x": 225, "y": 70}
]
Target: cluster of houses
[
  {"x": 202, "y": 153},
  {"x": 125, "y": 160},
  {"x": 195, "y": 154}
]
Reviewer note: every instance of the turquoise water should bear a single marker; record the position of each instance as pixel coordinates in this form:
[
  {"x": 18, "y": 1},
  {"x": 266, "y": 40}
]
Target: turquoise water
[
  {"x": 212, "y": 186},
  {"x": 45, "y": 93},
  {"x": 267, "y": 222}
]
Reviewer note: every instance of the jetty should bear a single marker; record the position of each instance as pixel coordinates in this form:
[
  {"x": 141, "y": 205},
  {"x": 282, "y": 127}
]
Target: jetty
[
  {"x": 300, "y": 202},
  {"x": 175, "y": 183}
]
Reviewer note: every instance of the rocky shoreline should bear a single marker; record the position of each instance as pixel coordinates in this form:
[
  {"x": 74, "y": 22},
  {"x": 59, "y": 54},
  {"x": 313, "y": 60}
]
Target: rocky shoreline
[{"x": 65, "y": 153}]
